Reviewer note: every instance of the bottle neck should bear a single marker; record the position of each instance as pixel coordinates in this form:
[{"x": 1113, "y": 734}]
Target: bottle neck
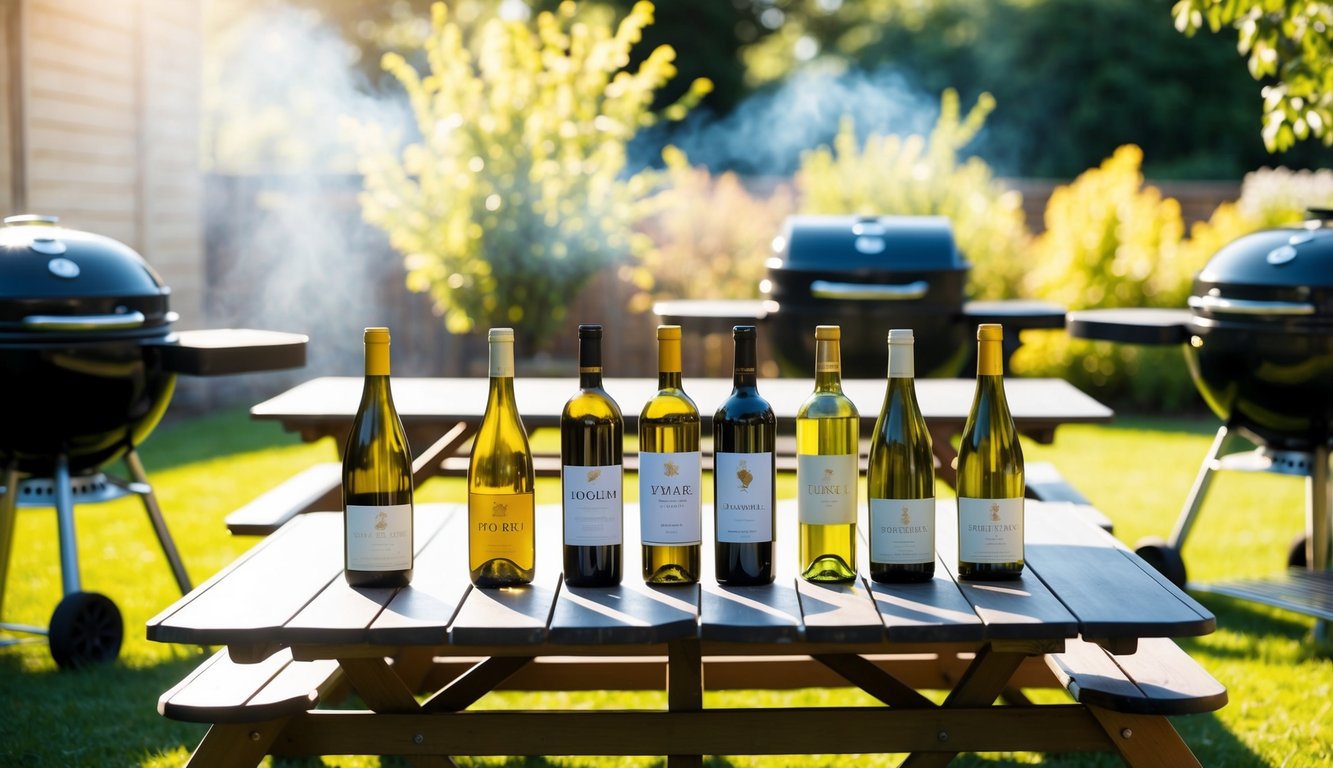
[
  {"x": 902, "y": 364},
  {"x": 668, "y": 364},
  {"x": 743, "y": 372},
  {"x": 828, "y": 366},
  {"x": 990, "y": 358},
  {"x": 502, "y": 360},
  {"x": 590, "y": 363},
  {"x": 377, "y": 360}
]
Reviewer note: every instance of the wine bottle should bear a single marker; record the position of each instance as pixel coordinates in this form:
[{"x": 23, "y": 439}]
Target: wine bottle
[
  {"x": 669, "y": 473},
  {"x": 827, "y": 453},
  {"x": 990, "y": 474},
  {"x": 592, "y": 434},
  {"x": 744, "y": 495},
  {"x": 900, "y": 477},
  {"x": 377, "y": 481},
  {"x": 502, "y": 545}
]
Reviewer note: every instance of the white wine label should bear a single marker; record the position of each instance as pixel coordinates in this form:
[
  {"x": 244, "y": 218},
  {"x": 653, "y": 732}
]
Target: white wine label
[
  {"x": 902, "y": 531},
  {"x": 594, "y": 505},
  {"x": 669, "y": 503},
  {"x": 826, "y": 489},
  {"x": 379, "y": 538},
  {"x": 744, "y": 497},
  {"x": 500, "y": 527},
  {"x": 990, "y": 530}
]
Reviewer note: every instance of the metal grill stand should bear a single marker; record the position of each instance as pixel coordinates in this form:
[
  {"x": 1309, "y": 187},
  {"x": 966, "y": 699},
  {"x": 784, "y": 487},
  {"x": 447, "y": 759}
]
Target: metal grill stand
[
  {"x": 1307, "y": 586},
  {"x": 86, "y": 627}
]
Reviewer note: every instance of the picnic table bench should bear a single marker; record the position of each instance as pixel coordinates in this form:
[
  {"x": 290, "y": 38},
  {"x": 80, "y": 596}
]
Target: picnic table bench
[{"x": 1087, "y": 615}]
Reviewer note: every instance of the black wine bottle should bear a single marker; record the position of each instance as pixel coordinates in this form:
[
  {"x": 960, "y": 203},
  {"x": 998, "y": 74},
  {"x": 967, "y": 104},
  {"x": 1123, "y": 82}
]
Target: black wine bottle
[
  {"x": 592, "y": 433},
  {"x": 744, "y": 494}
]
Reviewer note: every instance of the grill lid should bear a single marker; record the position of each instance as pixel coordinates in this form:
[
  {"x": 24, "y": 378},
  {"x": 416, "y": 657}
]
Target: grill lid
[
  {"x": 57, "y": 279},
  {"x": 1290, "y": 257},
  {"x": 867, "y": 245}
]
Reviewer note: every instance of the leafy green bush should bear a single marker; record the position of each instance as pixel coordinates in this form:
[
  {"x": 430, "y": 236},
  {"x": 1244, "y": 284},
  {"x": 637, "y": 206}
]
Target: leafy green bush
[
  {"x": 916, "y": 175},
  {"x": 515, "y": 192}
]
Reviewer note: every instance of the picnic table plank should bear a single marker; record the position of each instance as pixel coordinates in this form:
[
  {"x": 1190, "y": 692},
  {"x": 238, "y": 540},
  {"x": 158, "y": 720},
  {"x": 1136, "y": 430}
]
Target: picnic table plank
[
  {"x": 249, "y": 605},
  {"x": 931, "y": 611},
  {"x": 1083, "y": 565},
  {"x": 631, "y": 613},
  {"x": 762, "y": 613},
  {"x": 508, "y": 616},
  {"x": 419, "y": 614},
  {"x": 341, "y": 613},
  {"x": 1017, "y": 609}
]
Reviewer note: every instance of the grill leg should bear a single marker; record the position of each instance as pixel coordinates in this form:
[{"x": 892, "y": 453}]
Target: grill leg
[
  {"x": 8, "y": 517},
  {"x": 159, "y": 522},
  {"x": 1319, "y": 505},
  {"x": 1201, "y": 482},
  {"x": 69, "y": 548}
]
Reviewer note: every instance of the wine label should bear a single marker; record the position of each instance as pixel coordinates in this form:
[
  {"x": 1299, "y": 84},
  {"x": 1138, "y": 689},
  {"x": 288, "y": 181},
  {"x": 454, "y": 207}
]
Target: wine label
[
  {"x": 826, "y": 489},
  {"x": 669, "y": 503},
  {"x": 379, "y": 538},
  {"x": 990, "y": 530},
  {"x": 902, "y": 531},
  {"x": 744, "y": 497},
  {"x": 594, "y": 505},
  {"x": 500, "y": 527}
]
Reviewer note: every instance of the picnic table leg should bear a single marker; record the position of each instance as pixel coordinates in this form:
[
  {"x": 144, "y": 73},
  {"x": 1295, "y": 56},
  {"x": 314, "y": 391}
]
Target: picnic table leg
[
  {"x": 685, "y": 688},
  {"x": 236, "y": 744},
  {"x": 380, "y": 687},
  {"x": 1145, "y": 740},
  {"x": 985, "y": 679}
]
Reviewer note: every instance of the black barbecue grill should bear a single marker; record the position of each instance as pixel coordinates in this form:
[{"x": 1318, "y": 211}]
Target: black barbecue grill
[
  {"x": 89, "y": 360},
  {"x": 868, "y": 274},
  {"x": 1258, "y": 339}
]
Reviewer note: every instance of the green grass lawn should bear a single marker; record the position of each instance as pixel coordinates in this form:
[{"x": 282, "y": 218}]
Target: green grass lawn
[{"x": 1137, "y": 472}]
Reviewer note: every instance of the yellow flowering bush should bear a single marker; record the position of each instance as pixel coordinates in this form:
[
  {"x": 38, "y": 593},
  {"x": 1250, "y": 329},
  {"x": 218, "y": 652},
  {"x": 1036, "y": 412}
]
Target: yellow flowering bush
[
  {"x": 514, "y": 192},
  {"x": 1112, "y": 241},
  {"x": 920, "y": 175}
]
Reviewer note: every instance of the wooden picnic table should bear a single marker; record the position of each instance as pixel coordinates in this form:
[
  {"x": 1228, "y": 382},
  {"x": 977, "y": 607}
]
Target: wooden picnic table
[
  {"x": 1087, "y": 615},
  {"x": 431, "y": 407}
]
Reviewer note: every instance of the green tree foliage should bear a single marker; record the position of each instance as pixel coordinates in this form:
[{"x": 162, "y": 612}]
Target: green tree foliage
[
  {"x": 515, "y": 192},
  {"x": 1290, "y": 45},
  {"x": 1073, "y": 79},
  {"x": 925, "y": 175}
]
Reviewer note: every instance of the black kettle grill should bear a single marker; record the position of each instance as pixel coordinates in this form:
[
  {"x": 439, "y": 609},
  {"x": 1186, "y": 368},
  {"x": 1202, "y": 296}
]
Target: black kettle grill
[
  {"x": 89, "y": 360},
  {"x": 1258, "y": 339},
  {"x": 868, "y": 274}
]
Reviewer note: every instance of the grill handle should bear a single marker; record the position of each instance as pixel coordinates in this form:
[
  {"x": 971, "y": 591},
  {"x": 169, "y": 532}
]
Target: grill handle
[
  {"x": 1219, "y": 305},
  {"x": 823, "y": 289},
  {"x": 84, "y": 322}
]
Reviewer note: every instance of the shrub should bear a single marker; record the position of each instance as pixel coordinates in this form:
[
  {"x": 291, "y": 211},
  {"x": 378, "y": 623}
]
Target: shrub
[
  {"x": 1113, "y": 241},
  {"x": 916, "y": 175},
  {"x": 515, "y": 192},
  {"x": 710, "y": 235}
]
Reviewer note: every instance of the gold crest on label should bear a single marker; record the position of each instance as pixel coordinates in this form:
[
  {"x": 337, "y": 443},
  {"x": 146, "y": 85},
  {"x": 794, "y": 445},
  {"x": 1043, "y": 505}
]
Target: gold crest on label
[
  {"x": 995, "y": 513},
  {"x": 499, "y": 510},
  {"x": 670, "y": 468},
  {"x": 381, "y": 520},
  {"x": 593, "y": 474},
  {"x": 828, "y": 474},
  {"x": 743, "y": 474},
  {"x": 907, "y": 516}
]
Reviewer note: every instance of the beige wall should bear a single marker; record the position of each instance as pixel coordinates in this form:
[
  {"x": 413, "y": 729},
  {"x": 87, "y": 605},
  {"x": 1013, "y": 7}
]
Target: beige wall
[
  {"x": 110, "y": 112},
  {"x": 6, "y": 94}
]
